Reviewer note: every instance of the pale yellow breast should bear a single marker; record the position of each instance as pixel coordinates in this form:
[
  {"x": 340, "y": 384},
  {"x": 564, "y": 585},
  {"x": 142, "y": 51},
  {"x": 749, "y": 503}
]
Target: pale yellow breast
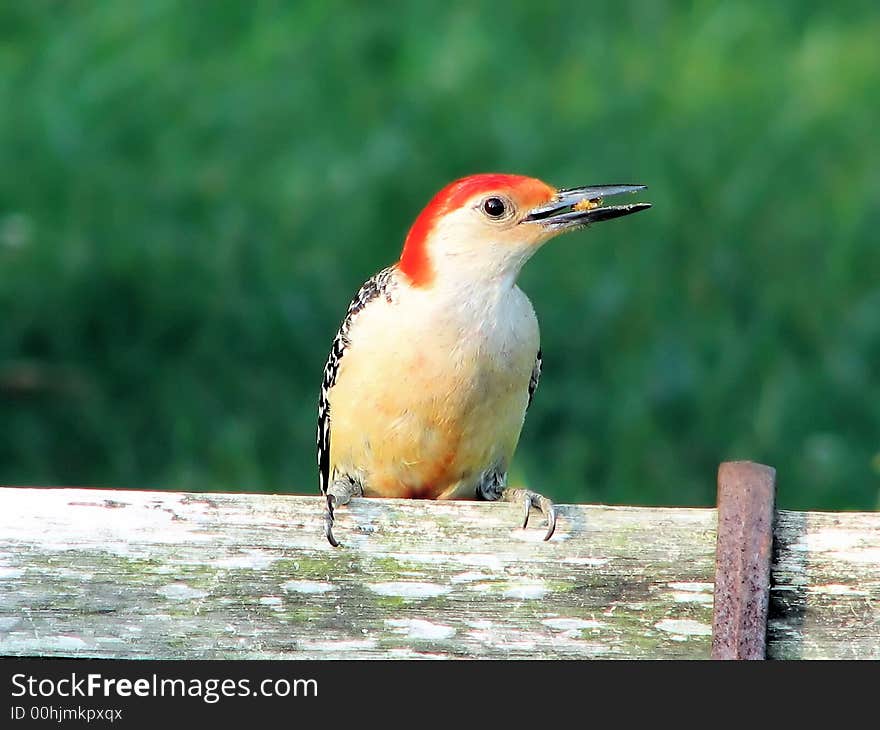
[{"x": 425, "y": 401}]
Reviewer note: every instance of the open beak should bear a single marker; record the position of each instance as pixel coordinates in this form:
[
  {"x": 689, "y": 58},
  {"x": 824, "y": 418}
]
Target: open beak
[{"x": 578, "y": 207}]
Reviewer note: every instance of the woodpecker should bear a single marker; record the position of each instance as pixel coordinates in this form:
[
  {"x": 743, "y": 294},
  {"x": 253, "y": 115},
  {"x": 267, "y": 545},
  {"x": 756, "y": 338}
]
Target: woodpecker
[{"x": 431, "y": 373}]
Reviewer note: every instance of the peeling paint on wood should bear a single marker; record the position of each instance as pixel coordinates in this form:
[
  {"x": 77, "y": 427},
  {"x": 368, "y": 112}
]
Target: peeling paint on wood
[{"x": 101, "y": 573}]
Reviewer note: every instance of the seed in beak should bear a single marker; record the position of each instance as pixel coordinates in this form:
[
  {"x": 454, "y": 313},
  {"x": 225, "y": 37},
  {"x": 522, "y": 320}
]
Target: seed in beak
[{"x": 587, "y": 204}]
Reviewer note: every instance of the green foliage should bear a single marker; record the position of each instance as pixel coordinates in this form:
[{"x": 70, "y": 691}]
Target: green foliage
[{"x": 191, "y": 192}]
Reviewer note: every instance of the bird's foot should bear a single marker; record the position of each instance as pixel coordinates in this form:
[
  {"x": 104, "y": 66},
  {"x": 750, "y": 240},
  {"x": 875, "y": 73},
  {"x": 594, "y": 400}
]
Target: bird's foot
[
  {"x": 338, "y": 494},
  {"x": 530, "y": 499}
]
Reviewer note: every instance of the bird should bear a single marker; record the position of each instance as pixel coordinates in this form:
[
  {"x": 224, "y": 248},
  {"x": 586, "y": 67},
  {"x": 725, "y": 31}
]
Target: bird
[{"x": 429, "y": 377}]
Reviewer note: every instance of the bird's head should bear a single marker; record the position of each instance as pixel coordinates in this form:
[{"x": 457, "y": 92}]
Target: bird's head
[{"x": 489, "y": 225}]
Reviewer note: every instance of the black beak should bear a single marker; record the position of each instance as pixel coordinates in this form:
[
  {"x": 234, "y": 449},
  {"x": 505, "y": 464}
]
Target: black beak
[{"x": 578, "y": 207}]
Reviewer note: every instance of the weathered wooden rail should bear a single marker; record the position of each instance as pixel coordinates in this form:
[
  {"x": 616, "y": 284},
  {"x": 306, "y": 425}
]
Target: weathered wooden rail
[{"x": 101, "y": 573}]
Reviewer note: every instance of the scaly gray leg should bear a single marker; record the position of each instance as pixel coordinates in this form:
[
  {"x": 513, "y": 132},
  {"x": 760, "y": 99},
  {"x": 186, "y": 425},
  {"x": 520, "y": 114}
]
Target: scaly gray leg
[
  {"x": 493, "y": 487},
  {"x": 339, "y": 493}
]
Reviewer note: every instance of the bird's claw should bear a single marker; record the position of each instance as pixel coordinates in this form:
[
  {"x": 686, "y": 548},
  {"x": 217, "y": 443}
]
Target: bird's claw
[
  {"x": 533, "y": 499},
  {"x": 338, "y": 495},
  {"x": 328, "y": 521}
]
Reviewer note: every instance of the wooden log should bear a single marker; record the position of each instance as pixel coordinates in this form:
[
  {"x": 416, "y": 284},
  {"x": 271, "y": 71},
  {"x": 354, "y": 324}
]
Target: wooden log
[
  {"x": 127, "y": 574},
  {"x": 166, "y": 575}
]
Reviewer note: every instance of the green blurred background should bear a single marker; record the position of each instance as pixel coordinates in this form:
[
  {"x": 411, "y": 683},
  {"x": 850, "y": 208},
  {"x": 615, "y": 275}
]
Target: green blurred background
[{"x": 190, "y": 194}]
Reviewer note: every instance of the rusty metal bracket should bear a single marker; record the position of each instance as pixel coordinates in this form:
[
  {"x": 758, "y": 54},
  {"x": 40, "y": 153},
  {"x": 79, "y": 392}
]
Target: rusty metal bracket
[{"x": 746, "y": 504}]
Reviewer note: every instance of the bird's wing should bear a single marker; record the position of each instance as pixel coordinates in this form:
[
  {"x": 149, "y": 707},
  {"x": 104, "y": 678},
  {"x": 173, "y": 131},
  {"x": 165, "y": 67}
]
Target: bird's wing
[
  {"x": 380, "y": 284},
  {"x": 536, "y": 376}
]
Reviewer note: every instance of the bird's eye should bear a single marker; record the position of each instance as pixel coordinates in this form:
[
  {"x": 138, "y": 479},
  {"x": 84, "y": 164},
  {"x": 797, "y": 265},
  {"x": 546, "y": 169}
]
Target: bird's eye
[{"x": 494, "y": 207}]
